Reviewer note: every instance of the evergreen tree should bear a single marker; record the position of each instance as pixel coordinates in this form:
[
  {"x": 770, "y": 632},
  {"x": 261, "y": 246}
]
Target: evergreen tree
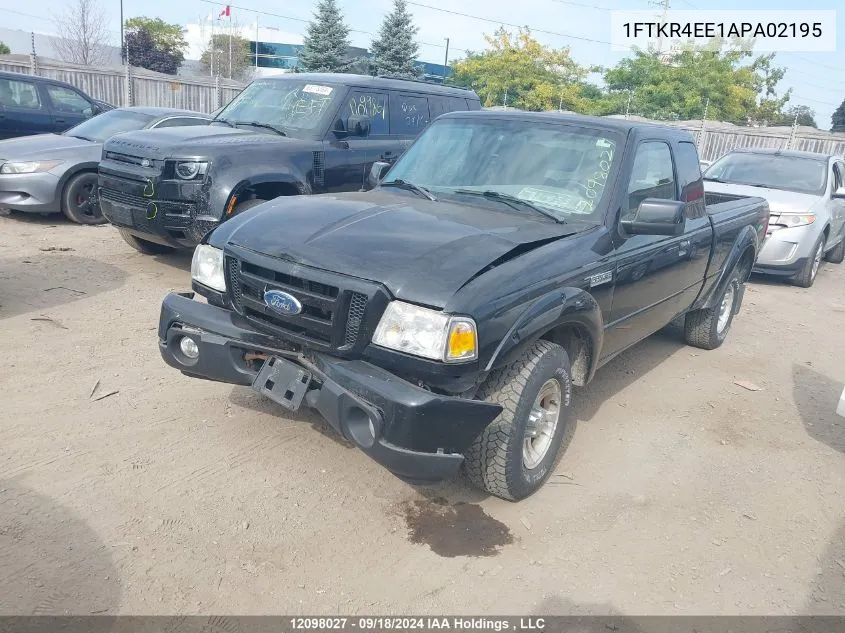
[
  {"x": 396, "y": 47},
  {"x": 837, "y": 121},
  {"x": 326, "y": 41}
]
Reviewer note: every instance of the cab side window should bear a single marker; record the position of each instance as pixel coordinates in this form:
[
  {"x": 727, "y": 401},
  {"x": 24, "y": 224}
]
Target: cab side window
[
  {"x": 689, "y": 179},
  {"x": 370, "y": 104},
  {"x": 652, "y": 175}
]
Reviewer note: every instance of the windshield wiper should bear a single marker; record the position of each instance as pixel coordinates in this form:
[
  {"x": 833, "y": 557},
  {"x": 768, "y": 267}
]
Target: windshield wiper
[
  {"x": 511, "y": 201},
  {"x": 226, "y": 121},
  {"x": 409, "y": 186},
  {"x": 266, "y": 126},
  {"x": 83, "y": 138}
]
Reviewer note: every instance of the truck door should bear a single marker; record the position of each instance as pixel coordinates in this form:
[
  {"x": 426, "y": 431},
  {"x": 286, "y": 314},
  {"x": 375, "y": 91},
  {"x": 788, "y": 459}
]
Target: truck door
[
  {"x": 657, "y": 274},
  {"x": 409, "y": 116},
  {"x": 348, "y": 159}
]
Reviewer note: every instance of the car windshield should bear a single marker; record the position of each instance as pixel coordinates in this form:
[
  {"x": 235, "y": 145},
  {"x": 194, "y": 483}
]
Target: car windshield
[
  {"x": 287, "y": 105},
  {"x": 790, "y": 173},
  {"x": 560, "y": 169},
  {"x": 103, "y": 126}
]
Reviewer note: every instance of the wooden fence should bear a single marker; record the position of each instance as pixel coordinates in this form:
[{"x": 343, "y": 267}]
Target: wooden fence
[{"x": 130, "y": 85}]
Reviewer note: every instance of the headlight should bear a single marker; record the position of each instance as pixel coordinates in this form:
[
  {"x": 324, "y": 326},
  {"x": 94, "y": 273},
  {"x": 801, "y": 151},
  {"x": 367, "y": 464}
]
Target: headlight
[
  {"x": 29, "y": 167},
  {"x": 207, "y": 267},
  {"x": 189, "y": 170},
  {"x": 428, "y": 333},
  {"x": 791, "y": 220}
]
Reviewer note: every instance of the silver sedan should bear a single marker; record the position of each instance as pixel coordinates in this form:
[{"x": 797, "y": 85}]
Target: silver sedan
[
  {"x": 806, "y": 195},
  {"x": 52, "y": 173}
]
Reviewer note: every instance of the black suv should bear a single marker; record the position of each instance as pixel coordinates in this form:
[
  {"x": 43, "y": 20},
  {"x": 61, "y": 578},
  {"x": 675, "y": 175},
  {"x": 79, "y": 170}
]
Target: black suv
[
  {"x": 281, "y": 136},
  {"x": 37, "y": 105}
]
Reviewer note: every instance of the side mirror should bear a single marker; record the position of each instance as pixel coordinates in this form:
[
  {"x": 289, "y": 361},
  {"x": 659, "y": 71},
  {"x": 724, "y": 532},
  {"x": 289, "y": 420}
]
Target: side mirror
[
  {"x": 656, "y": 217},
  {"x": 377, "y": 172},
  {"x": 358, "y": 125},
  {"x": 839, "y": 193}
]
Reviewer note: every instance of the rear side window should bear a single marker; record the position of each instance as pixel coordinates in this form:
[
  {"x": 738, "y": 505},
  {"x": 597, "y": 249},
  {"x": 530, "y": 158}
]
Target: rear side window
[
  {"x": 441, "y": 105},
  {"x": 652, "y": 175},
  {"x": 473, "y": 104},
  {"x": 19, "y": 94},
  {"x": 408, "y": 114},
  {"x": 689, "y": 179},
  {"x": 370, "y": 104}
]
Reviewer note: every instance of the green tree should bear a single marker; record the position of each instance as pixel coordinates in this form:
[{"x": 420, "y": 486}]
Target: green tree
[
  {"x": 326, "y": 47},
  {"x": 217, "y": 51},
  {"x": 396, "y": 48},
  {"x": 716, "y": 75},
  {"x": 167, "y": 40},
  {"x": 4, "y": 50},
  {"x": 805, "y": 115},
  {"x": 517, "y": 70},
  {"x": 837, "y": 121}
]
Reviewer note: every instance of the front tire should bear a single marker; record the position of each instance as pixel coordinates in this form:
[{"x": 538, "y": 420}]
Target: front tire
[
  {"x": 709, "y": 327},
  {"x": 807, "y": 276},
  {"x": 79, "y": 200},
  {"x": 516, "y": 453},
  {"x": 144, "y": 246}
]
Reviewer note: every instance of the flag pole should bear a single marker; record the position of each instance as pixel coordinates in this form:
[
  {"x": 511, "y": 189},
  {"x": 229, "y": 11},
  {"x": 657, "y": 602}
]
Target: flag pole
[
  {"x": 229, "y": 15},
  {"x": 213, "y": 49}
]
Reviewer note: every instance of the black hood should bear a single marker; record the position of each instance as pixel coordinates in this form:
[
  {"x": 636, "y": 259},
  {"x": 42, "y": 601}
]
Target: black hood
[
  {"x": 421, "y": 251},
  {"x": 201, "y": 141}
]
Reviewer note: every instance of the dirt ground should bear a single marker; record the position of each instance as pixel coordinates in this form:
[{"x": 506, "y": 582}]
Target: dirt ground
[{"x": 682, "y": 493}]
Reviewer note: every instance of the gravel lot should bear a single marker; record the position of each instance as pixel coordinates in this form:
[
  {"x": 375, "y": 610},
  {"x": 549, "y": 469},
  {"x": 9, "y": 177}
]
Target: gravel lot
[{"x": 682, "y": 492}]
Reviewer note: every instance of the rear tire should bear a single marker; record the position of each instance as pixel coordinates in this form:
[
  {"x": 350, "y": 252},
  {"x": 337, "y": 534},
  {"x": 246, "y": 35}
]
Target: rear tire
[
  {"x": 708, "y": 328},
  {"x": 144, "y": 246},
  {"x": 808, "y": 274},
  {"x": 503, "y": 460},
  {"x": 79, "y": 199},
  {"x": 837, "y": 253}
]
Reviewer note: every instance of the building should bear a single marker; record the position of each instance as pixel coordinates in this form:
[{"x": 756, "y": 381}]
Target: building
[{"x": 278, "y": 51}]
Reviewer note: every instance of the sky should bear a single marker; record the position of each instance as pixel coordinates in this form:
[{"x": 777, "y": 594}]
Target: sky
[{"x": 817, "y": 79}]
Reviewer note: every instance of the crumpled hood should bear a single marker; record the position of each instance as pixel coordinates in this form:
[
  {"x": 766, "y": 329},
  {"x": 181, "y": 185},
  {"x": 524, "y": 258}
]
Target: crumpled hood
[
  {"x": 779, "y": 201},
  {"x": 46, "y": 146},
  {"x": 421, "y": 251},
  {"x": 200, "y": 141}
]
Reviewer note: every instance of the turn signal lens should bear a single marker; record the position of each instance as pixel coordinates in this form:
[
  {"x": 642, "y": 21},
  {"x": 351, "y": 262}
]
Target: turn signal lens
[{"x": 463, "y": 344}]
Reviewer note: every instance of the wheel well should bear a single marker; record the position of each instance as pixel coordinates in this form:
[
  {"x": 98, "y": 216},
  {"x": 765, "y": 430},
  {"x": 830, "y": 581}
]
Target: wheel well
[
  {"x": 745, "y": 263},
  {"x": 268, "y": 191},
  {"x": 578, "y": 343}
]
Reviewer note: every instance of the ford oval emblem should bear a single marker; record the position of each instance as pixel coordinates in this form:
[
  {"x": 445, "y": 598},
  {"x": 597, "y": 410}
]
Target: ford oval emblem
[
  {"x": 146, "y": 162},
  {"x": 282, "y": 302}
]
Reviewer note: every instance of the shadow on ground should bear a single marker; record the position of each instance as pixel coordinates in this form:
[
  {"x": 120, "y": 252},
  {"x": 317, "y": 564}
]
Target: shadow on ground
[
  {"x": 51, "y": 279},
  {"x": 52, "y": 562},
  {"x": 816, "y": 397}
]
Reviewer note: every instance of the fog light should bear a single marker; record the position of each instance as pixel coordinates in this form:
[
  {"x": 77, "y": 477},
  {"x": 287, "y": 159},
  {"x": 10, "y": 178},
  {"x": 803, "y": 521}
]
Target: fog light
[{"x": 189, "y": 347}]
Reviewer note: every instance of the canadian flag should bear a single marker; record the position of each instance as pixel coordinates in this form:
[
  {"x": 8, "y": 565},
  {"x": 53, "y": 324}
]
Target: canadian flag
[{"x": 226, "y": 13}]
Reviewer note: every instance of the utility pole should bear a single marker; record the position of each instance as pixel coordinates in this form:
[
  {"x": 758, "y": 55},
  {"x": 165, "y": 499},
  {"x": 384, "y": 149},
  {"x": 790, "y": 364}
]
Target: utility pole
[
  {"x": 124, "y": 54},
  {"x": 793, "y": 132},
  {"x": 700, "y": 138},
  {"x": 446, "y": 61},
  {"x": 213, "y": 51},
  {"x": 560, "y": 105},
  {"x": 256, "y": 43},
  {"x": 665, "y": 5},
  {"x": 628, "y": 105}
]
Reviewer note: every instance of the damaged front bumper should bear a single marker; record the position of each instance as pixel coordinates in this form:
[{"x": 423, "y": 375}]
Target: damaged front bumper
[{"x": 413, "y": 432}]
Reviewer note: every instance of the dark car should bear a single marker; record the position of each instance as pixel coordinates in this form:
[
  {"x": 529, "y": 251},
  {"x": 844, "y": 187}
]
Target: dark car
[
  {"x": 58, "y": 172},
  {"x": 441, "y": 319},
  {"x": 281, "y": 136},
  {"x": 37, "y": 105}
]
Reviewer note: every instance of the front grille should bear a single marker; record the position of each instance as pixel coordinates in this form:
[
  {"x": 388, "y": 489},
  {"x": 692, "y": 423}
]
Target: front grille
[
  {"x": 357, "y": 306},
  {"x": 129, "y": 159},
  {"x": 169, "y": 207},
  {"x": 120, "y": 197},
  {"x": 331, "y": 317}
]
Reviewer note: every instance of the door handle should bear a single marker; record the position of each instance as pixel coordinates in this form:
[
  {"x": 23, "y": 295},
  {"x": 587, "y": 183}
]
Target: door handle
[{"x": 60, "y": 121}]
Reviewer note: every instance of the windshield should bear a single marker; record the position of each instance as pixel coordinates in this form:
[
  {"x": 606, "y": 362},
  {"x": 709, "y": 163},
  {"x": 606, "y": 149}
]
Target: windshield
[
  {"x": 285, "y": 104},
  {"x": 103, "y": 126},
  {"x": 562, "y": 169},
  {"x": 790, "y": 173}
]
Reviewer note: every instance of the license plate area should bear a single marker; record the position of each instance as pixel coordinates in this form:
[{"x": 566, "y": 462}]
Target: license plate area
[
  {"x": 121, "y": 214},
  {"x": 283, "y": 382}
]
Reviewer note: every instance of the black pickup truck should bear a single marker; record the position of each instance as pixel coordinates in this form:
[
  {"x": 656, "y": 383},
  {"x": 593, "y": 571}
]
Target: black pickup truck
[
  {"x": 440, "y": 320},
  {"x": 281, "y": 136}
]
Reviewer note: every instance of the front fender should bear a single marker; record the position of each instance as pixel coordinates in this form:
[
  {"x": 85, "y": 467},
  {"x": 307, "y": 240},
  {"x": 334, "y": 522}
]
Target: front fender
[
  {"x": 236, "y": 181},
  {"x": 747, "y": 239},
  {"x": 565, "y": 306}
]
